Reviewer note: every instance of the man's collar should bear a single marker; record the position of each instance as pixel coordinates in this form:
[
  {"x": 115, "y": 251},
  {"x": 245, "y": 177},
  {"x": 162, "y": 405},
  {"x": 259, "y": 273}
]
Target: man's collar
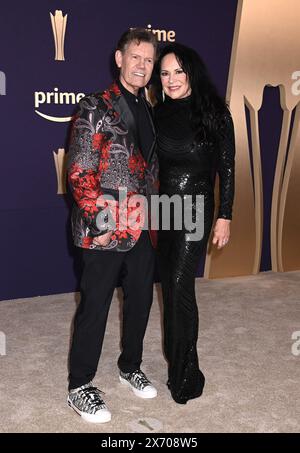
[{"x": 125, "y": 91}]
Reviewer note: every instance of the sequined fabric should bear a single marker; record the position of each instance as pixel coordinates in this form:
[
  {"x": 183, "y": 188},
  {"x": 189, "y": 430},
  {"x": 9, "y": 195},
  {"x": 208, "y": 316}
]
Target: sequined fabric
[{"x": 187, "y": 167}]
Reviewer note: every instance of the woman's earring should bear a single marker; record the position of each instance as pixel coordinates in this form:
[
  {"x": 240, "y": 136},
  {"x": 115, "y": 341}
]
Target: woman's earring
[{"x": 163, "y": 95}]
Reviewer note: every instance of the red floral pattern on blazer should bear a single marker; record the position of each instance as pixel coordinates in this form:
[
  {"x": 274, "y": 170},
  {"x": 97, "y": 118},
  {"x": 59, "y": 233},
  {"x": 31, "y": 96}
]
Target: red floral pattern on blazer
[{"x": 104, "y": 157}]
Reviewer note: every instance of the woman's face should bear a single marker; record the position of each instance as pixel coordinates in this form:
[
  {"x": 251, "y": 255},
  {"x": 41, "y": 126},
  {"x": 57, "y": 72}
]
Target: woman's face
[{"x": 174, "y": 80}]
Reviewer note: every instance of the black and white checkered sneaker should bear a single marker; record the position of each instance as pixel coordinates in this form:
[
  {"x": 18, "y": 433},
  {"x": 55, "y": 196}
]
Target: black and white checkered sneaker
[
  {"x": 139, "y": 384},
  {"x": 87, "y": 402}
]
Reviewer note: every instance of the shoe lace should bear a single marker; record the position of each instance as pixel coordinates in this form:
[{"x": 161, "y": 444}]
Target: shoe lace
[
  {"x": 91, "y": 398},
  {"x": 140, "y": 380}
]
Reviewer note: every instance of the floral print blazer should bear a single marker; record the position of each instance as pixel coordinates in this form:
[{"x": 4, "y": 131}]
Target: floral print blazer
[{"x": 103, "y": 158}]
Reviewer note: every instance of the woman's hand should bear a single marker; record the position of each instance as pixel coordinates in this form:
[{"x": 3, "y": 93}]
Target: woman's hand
[{"x": 221, "y": 232}]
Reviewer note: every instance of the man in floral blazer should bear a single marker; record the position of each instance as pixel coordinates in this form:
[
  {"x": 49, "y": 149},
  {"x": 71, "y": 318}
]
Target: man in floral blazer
[{"x": 112, "y": 151}]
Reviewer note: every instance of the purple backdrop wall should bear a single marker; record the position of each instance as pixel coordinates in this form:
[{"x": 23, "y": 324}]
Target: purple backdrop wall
[{"x": 37, "y": 256}]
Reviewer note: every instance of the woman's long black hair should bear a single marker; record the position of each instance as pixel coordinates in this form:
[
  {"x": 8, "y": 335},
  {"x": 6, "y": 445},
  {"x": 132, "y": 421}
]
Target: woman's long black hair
[{"x": 207, "y": 106}]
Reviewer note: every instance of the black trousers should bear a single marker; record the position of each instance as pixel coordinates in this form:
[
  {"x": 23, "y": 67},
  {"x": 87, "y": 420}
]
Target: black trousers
[{"x": 102, "y": 270}]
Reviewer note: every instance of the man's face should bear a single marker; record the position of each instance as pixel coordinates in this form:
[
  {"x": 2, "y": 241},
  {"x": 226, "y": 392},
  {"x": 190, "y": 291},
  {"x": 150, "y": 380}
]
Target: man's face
[{"x": 136, "y": 65}]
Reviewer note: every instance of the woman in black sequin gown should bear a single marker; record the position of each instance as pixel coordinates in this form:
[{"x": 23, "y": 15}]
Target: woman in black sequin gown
[{"x": 195, "y": 139}]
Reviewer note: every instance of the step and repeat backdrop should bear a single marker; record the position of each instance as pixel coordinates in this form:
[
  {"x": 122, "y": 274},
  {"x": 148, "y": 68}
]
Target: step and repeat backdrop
[{"x": 52, "y": 53}]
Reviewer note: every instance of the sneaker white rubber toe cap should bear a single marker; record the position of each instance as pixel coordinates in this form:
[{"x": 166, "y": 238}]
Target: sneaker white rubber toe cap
[
  {"x": 148, "y": 392},
  {"x": 101, "y": 416}
]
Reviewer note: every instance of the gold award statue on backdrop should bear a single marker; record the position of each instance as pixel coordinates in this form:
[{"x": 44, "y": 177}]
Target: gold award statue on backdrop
[
  {"x": 265, "y": 52},
  {"x": 61, "y": 170},
  {"x": 59, "y": 23}
]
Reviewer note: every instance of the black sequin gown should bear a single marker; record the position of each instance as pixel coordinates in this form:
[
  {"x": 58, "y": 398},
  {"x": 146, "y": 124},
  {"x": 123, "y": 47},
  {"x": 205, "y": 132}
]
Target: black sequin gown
[{"x": 187, "y": 167}]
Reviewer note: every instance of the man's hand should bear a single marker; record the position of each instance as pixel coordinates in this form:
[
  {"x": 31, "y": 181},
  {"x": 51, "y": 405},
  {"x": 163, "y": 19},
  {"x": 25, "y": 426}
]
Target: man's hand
[
  {"x": 221, "y": 233},
  {"x": 103, "y": 240},
  {"x": 112, "y": 205}
]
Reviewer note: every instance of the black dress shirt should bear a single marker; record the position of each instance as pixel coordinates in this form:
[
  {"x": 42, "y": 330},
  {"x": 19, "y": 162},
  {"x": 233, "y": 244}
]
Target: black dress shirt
[{"x": 141, "y": 115}]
